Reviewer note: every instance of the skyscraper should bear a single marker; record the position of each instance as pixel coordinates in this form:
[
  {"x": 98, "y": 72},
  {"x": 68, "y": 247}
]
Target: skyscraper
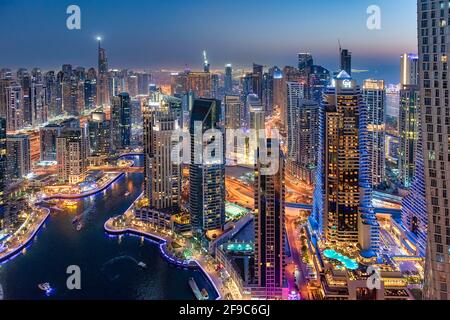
[
  {"x": 257, "y": 80},
  {"x": 409, "y": 69},
  {"x": 90, "y": 89},
  {"x": 206, "y": 178},
  {"x": 295, "y": 92},
  {"x": 374, "y": 94},
  {"x": 99, "y": 130},
  {"x": 305, "y": 61},
  {"x": 162, "y": 173},
  {"x": 233, "y": 112},
  {"x": 346, "y": 61},
  {"x": 434, "y": 54},
  {"x": 228, "y": 79},
  {"x": 121, "y": 121},
  {"x": 102, "y": 80},
  {"x": 408, "y": 126},
  {"x": 71, "y": 154},
  {"x": 3, "y": 163},
  {"x": 414, "y": 206},
  {"x": 18, "y": 156},
  {"x": 344, "y": 189},
  {"x": 269, "y": 229},
  {"x": 48, "y": 135},
  {"x": 14, "y": 107}
]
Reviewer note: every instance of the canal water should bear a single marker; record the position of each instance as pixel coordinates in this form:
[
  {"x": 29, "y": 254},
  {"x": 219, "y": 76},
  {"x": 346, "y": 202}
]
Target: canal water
[{"x": 109, "y": 264}]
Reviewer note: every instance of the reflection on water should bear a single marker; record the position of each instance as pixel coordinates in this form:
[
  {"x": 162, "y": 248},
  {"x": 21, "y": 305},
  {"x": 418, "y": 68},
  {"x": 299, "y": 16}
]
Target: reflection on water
[{"x": 109, "y": 265}]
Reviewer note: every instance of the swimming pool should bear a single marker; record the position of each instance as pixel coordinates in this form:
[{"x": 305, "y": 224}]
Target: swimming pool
[{"x": 350, "y": 264}]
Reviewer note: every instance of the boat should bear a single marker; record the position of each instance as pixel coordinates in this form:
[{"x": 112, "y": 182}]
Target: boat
[
  {"x": 142, "y": 265},
  {"x": 195, "y": 289},
  {"x": 127, "y": 194},
  {"x": 44, "y": 286},
  {"x": 205, "y": 294},
  {"x": 70, "y": 204},
  {"x": 79, "y": 227}
]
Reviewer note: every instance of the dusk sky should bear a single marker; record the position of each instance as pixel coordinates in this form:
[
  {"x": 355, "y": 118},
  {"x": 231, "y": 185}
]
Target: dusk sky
[{"x": 172, "y": 33}]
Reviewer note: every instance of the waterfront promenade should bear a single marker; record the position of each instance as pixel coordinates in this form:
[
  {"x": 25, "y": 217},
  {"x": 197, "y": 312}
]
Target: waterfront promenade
[
  {"x": 13, "y": 245},
  {"x": 164, "y": 240}
]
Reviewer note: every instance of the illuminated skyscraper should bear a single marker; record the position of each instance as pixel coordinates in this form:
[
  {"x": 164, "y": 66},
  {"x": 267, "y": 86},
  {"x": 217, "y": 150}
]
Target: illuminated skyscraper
[
  {"x": 295, "y": 92},
  {"x": 434, "y": 51},
  {"x": 414, "y": 206},
  {"x": 71, "y": 154},
  {"x": 228, "y": 79},
  {"x": 200, "y": 83},
  {"x": 375, "y": 100},
  {"x": 408, "y": 125},
  {"x": 48, "y": 135},
  {"x": 102, "y": 80},
  {"x": 206, "y": 178},
  {"x": 343, "y": 192},
  {"x": 409, "y": 69},
  {"x": 90, "y": 89},
  {"x": 3, "y": 163},
  {"x": 14, "y": 107},
  {"x": 162, "y": 173},
  {"x": 346, "y": 61},
  {"x": 121, "y": 121},
  {"x": 269, "y": 229},
  {"x": 305, "y": 61},
  {"x": 18, "y": 156},
  {"x": 99, "y": 130},
  {"x": 233, "y": 112}
]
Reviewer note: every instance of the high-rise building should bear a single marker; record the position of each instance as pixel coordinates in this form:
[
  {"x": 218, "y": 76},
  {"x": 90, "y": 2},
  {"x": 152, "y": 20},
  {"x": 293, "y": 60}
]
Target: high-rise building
[
  {"x": 233, "y": 112},
  {"x": 228, "y": 79},
  {"x": 295, "y": 92},
  {"x": 305, "y": 61},
  {"x": 206, "y": 178},
  {"x": 24, "y": 80},
  {"x": 121, "y": 121},
  {"x": 53, "y": 94},
  {"x": 303, "y": 163},
  {"x": 346, "y": 61},
  {"x": 374, "y": 94},
  {"x": 257, "y": 80},
  {"x": 269, "y": 229},
  {"x": 409, "y": 69},
  {"x": 48, "y": 135},
  {"x": 200, "y": 83},
  {"x": 14, "y": 107},
  {"x": 414, "y": 205},
  {"x": 99, "y": 129},
  {"x": 408, "y": 126},
  {"x": 18, "y": 156},
  {"x": 71, "y": 154},
  {"x": 162, "y": 173},
  {"x": 144, "y": 80},
  {"x": 343, "y": 188},
  {"x": 102, "y": 80},
  {"x": 90, "y": 89},
  {"x": 434, "y": 52},
  {"x": 3, "y": 166}
]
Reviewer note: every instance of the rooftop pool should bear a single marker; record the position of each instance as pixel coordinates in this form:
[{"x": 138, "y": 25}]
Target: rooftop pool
[{"x": 350, "y": 264}]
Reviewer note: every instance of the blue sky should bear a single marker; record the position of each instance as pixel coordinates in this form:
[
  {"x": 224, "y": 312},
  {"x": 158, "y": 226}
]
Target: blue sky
[{"x": 172, "y": 33}]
